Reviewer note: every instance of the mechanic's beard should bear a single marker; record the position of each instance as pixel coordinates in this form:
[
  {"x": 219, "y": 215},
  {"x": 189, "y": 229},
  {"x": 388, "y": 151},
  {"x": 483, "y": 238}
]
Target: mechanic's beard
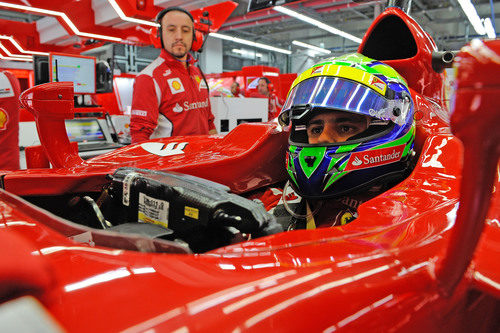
[{"x": 179, "y": 54}]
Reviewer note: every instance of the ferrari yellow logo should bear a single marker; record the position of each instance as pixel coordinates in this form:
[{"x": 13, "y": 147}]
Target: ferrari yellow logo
[
  {"x": 346, "y": 218},
  {"x": 4, "y": 118}
]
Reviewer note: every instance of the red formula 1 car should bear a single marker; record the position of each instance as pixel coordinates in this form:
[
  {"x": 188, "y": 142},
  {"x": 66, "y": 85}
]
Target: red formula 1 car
[{"x": 420, "y": 257}]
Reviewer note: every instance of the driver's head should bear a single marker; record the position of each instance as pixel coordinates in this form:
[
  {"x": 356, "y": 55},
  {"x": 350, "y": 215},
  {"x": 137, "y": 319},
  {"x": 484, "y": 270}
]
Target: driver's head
[
  {"x": 176, "y": 31},
  {"x": 351, "y": 123},
  {"x": 335, "y": 126},
  {"x": 263, "y": 86}
]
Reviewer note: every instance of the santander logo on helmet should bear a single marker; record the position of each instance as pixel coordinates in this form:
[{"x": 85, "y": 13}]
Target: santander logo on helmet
[{"x": 373, "y": 158}]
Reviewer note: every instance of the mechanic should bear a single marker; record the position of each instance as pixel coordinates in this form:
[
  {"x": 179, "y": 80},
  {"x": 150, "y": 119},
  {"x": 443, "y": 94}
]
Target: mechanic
[
  {"x": 351, "y": 138},
  {"x": 235, "y": 90},
  {"x": 266, "y": 88},
  {"x": 9, "y": 121},
  {"x": 170, "y": 95}
]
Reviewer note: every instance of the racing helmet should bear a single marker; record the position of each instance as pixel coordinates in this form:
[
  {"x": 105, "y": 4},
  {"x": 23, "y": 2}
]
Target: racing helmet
[{"x": 356, "y": 84}]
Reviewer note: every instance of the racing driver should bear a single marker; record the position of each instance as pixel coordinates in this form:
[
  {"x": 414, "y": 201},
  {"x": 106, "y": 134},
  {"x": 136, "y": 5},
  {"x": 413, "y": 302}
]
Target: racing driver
[
  {"x": 170, "y": 95},
  {"x": 351, "y": 137}
]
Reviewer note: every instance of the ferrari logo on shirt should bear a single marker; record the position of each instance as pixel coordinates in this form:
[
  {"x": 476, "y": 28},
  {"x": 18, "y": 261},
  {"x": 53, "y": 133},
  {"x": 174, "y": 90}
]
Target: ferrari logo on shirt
[
  {"x": 201, "y": 83},
  {"x": 175, "y": 85},
  {"x": 4, "y": 118}
]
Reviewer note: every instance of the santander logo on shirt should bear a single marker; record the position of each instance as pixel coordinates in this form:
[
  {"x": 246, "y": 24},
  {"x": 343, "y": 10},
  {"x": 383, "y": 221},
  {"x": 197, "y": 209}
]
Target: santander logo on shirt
[
  {"x": 373, "y": 158},
  {"x": 190, "y": 106}
]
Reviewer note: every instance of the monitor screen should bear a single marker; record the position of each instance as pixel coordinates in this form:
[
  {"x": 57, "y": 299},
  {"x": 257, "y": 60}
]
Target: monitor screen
[
  {"x": 261, "y": 4},
  {"x": 78, "y": 69},
  {"x": 84, "y": 130}
]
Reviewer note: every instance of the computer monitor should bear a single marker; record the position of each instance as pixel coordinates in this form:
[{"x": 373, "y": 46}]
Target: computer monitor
[
  {"x": 261, "y": 4},
  {"x": 84, "y": 130},
  {"x": 75, "y": 68}
]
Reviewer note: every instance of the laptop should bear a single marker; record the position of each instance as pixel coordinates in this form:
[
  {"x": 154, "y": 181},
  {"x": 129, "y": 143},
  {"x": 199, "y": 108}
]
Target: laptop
[{"x": 89, "y": 134}]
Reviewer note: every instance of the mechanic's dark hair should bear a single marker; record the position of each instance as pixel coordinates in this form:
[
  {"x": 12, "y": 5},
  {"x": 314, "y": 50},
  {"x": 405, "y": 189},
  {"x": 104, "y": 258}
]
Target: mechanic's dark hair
[
  {"x": 172, "y": 9},
  {"x": 265, "y": 79}
]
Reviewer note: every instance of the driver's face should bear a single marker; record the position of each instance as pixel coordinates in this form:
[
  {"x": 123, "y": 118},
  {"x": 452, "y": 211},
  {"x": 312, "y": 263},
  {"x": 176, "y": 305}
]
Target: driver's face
[
  {"x": 262, "y": 87},
  {"x": 335, "y": 126}
]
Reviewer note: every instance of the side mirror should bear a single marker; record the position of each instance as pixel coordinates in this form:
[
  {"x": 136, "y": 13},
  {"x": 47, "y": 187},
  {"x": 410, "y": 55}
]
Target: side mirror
[
  {"x": 475, "y": 121},
  {"x": 51, "y": 104}
]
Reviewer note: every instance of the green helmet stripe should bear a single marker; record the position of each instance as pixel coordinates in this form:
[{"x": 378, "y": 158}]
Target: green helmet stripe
[
  {"x": 406, "y": 151},
  {"x": 336, "y": 177},
  {"x": 408, "y": 137},
  {"x": 389, "y": 72},
  {"x": 292, "y": 176},
  {"x": 340, "y": 150},
  {"x": 347, "y": 148}
]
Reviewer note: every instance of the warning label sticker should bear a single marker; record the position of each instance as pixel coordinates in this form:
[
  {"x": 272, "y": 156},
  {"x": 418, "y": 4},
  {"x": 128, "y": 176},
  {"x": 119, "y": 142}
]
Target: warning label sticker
[
  {"x": 191, "y": 212},
  {"x": 153, "y": 210}
]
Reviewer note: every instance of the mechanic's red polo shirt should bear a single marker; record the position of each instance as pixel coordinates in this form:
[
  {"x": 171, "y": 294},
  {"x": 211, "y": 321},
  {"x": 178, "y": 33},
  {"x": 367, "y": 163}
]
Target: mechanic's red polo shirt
[
  {"x": 9, "y": 121},
  {"x": 170, "y": 100}
]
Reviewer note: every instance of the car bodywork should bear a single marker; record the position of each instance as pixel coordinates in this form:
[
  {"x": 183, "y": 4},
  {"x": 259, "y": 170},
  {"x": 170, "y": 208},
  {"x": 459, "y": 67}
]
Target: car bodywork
[{"x": 408, "y": 263}]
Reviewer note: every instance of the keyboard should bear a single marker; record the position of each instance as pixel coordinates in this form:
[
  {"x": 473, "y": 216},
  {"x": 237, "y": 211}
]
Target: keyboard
[{"x": 90, "y": 146}]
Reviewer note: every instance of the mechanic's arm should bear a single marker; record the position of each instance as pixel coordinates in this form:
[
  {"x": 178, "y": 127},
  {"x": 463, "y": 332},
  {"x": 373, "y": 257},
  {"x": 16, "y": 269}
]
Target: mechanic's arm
[{"x": 144, "y": 113}]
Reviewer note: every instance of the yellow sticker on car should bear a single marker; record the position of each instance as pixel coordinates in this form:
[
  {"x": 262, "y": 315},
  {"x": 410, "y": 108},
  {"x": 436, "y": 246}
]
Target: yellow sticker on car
[{"x": 191, "y": 212}]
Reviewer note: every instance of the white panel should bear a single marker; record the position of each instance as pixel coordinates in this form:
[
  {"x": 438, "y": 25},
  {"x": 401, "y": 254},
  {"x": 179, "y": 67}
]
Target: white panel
[
  {"x": 104, "y": 14},
  {"x": 28, "y": 135},
  {"x": 68, "y": 41},
  {"x": 235, "y": 109},
  {"x": 211, "y": 57},
  {"x": 50, "y": 30}
]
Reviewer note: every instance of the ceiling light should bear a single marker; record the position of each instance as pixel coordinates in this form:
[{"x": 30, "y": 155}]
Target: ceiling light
[
  {"x": 64, "y": 17},
  {"x": 248, "y": 53},
  {"x": 249, "y": 43},
  {"x": 122, "y": 15},
  {"x": 16, "y": 44},
  {"x": 489, "y": 28},
  {"x": 312, "y": 47},
  {"x": 13, "y": 55},
  {"x": 316, "y": 23},
  {"x": 14, "y": 58},
  {"x": 471, "y": 13}
]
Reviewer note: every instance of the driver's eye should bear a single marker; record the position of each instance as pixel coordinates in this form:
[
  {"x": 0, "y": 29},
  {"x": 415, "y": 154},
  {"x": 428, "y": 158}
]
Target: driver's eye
[
  {"x": 316, "y": 130},
  {"x": 346, "y": 129}
]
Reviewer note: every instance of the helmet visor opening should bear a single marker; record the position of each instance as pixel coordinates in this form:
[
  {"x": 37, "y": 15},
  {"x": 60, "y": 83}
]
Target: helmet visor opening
[
  {"x": 376, "y": 128},
  {"x": 344, "y": 95}
]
